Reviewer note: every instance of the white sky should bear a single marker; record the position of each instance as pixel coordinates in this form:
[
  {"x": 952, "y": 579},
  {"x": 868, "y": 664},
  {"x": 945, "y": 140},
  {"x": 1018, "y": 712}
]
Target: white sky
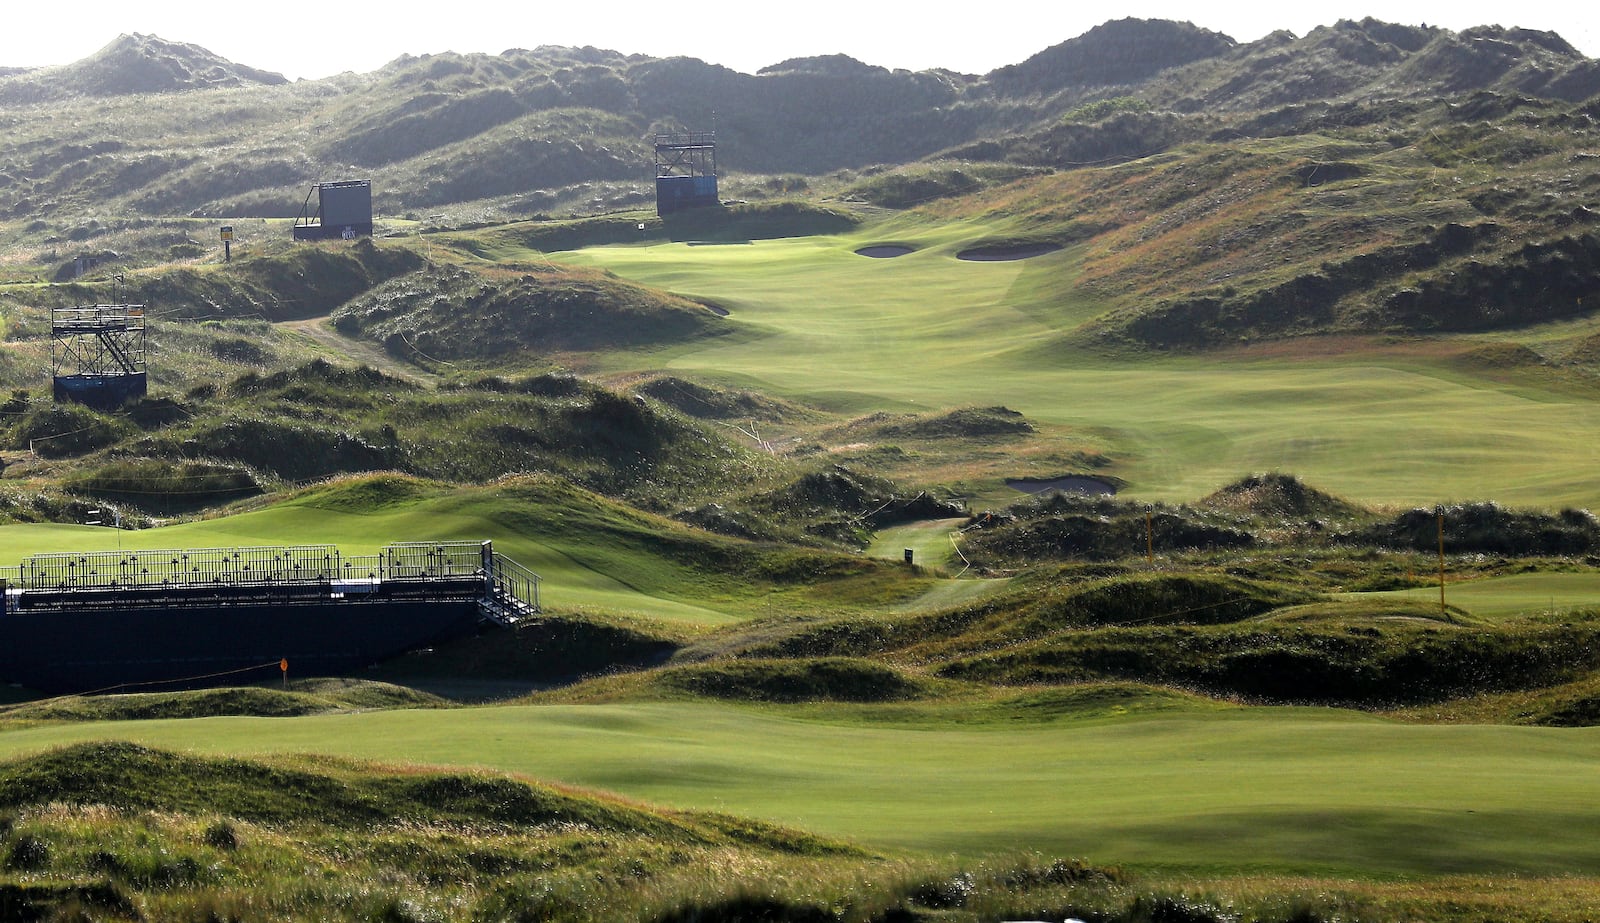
[{"x": 311, "y": 40}]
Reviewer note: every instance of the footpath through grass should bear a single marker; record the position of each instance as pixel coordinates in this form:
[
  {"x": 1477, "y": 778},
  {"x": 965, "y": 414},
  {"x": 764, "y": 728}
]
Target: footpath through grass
[{"x": 1285, "y": 791}]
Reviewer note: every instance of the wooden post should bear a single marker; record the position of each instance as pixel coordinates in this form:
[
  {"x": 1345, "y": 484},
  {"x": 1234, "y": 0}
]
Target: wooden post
[
  {"x": 1149, "y": 539},
  {"x": 1441, "y": 561}
]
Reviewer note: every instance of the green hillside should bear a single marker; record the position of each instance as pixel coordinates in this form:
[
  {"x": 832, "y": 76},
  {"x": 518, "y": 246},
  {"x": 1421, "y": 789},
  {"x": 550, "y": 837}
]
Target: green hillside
[{"x": 1231, "y": 400}]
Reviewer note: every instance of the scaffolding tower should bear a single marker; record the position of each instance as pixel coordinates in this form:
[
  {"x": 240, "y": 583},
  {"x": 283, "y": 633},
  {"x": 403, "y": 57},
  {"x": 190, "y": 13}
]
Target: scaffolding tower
[
  {"x": 686, "y": 171},
  {"x": 97, "y": 354}
]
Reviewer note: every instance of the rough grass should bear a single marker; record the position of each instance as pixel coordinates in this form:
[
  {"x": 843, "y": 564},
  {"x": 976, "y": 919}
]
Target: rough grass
[
  {"x": 547, "y": 651},
  {"x": 1276, "y": 496},
  {"x": 1377, "y": 664},
  {"x": 276, "y": 284},
  {"x": 169, "y": 836},
  {"x": 165, "y": 487},
  {"x": 1032, "y": 609},
  {"x": 319, "y": 419},
  {"x": 119, "y": 831},
  {"x": 820, "y": 680},
  {"x": 450, "y": 314},
  {"x": 711, "y": 402},
  {"x": 306, "y": 697}
]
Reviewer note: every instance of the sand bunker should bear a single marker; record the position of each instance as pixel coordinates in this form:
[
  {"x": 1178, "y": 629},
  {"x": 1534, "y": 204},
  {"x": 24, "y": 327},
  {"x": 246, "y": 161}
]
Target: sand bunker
[
  {"x": 885, "y": 251},
  {"x": 1007, "y": 252},
  {"x": 1071, "y": 484}
]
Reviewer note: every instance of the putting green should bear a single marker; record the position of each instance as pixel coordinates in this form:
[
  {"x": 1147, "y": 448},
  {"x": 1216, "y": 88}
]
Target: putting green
[
  {"x": 1286, "y": 790},
  {"x": 1508, "y": 597},
  {"x": 928, "y": 540}
]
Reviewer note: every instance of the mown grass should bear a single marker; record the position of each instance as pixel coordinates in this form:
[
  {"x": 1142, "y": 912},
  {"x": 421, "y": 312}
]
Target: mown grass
[
  {"x": 115, "y": 830},
  {"x": 1212, "y": 792},
  {"x": 1507, "y": 597},
  {"x": 1383, "y": 424},
  {"x": 593, "y": 553},
  {"x": 119, "y": 829}
]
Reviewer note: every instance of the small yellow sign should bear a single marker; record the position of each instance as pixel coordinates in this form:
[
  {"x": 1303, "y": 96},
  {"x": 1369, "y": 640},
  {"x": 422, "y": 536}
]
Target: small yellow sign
[{"x": 227, "y": 232}]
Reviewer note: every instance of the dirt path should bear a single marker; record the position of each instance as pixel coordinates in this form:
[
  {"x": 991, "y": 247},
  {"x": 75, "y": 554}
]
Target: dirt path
[{"x": 322, "y": 334}]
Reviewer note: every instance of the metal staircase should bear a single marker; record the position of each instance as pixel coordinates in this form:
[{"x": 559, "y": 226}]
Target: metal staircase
[{"x": 511, "y": 591}]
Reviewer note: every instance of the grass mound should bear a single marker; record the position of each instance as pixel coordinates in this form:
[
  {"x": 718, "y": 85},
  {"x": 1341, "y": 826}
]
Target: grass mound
[
  {"x": 126, "y": 776},
  {"x": 456, "y": 314},
  {"x": 910, "y": 186},
  {"x": 1584, "y": 351},
  {"x": 1159, "y": 599},
  {"x": 165, "y": 487},
  {"x": 1097, "y": 701},
  {"x": 842, "y": 504},
  {"x": 1063, "y": 526},
  {"x": 961, "y": 423},
  {"x": 1035, "y": 608},
  {"x": 138, "y": 64},
  {"x": 1577, "y": 711},
  {"x": 368, "y": 492},
  {"x": 318, "y": 420},
  {"x": 318, "y": 381},
  {"x": 546, "y": 651},
  {"x": 1574, "y": 704},
  {"x": 65, "y": 430},
  {"x": 1276, "y": 495},
  {"x": 1339, "y": 662},
  {"x": 1368, "y": 612},
  {"x": 758, "y": 221},
  {"x": 821, "y": 680},
  {"x": 306, "y": 698},
  {"x": 545, "y": 384},
  {"x": 710, "y": 403},
  {"x": 1500, "y": 356},
  {"x": 281, "y": 284},
  {"x": 1485, "y": 527},
  {"x": 288, "y": 449}
]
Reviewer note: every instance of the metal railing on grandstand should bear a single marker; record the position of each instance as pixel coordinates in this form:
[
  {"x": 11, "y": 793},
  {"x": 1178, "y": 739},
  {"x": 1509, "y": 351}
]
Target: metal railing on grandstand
[{"x": 456, "y": 569}]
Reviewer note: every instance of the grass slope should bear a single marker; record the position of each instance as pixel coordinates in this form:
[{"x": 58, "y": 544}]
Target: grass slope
[
  {"x": 592, "y": 553},
  {"x": 1282, "y": 790},
  {"x": 117, "y": 831}
]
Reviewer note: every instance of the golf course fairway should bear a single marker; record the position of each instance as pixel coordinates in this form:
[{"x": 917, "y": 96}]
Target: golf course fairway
[
  {"x": 811, "y": 319},
  {"x": 1208, "y": 789}
]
